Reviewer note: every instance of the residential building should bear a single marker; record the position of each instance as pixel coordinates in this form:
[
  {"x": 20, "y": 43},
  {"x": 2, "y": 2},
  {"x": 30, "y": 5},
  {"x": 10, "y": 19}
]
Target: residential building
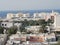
[
  {"x": 18, "y": 15},
  {"x": 42, "y": 37},
  {"x": 39, "y": 15},
  {"x": 10, "y": 15},
  {"x": 6, "y": 24},
  {"x": 9, "y": 24},
  {"x": 33, "y": 29},
  {"x": 55, "y": 16},
  {"x": 31, "y": 38}
]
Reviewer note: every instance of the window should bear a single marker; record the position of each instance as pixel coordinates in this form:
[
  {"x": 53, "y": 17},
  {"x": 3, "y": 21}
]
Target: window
[
  {"x": 2, "y": 24},
  {"x": 5, "y": 24}
]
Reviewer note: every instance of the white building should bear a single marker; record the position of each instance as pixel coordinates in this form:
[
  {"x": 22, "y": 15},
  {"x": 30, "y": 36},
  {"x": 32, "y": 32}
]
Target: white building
[
  {"x": 10, "y": 24},
  {"x": 32, "y": 28},
  {"x": 13, "y": 39},
  {"x": 26, "y": 15},
  {"x": 7, "y": 24},
  {"x": 39, "y": 15},
  {"x": 18, "y": 15},
  {"x": 57, "y": 22},
  {"x": 10, "y": 15}
]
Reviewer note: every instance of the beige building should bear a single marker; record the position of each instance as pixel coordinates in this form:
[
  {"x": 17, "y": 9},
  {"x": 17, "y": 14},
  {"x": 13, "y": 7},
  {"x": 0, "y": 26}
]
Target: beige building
[
  {"x": 57, "y": 22},
  {"x": 10, "y": 15},
  {"x": 18, "y": 15},
  {"x": 55, "y": 16},
  {"x": 39, "y": 15}
]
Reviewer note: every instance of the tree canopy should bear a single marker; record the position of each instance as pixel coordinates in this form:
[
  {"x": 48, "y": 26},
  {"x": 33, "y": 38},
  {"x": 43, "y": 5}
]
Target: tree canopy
[
  {"x": 12, "y": 30},
  {"x": 1, "y": 30}
]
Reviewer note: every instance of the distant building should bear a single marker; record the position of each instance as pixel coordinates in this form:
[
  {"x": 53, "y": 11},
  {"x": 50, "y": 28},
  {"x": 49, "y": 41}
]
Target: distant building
[
  {"x": 10, "y": 15},
  {"x": 39, "y": 15},
  {"x": 18, "y": 15}
]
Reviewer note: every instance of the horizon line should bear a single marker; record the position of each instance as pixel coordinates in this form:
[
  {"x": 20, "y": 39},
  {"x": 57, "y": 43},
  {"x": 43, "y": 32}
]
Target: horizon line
[{"x": 29, "y": 9}]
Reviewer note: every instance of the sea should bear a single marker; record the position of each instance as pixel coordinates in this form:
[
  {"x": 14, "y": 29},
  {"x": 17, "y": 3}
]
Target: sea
[{"x": 4, "y": 13}]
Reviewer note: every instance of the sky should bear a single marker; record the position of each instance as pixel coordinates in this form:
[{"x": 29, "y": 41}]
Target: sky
[{"x": 29, "y": 4}]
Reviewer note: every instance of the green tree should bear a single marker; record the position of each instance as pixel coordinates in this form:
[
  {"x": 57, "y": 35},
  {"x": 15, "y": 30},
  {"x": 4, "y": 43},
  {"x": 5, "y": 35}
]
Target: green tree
[
  {"x": 31, "y": 22},
  {"x": 22, "y": 29},
  {"x": 49, "y": 22},
  {"x": 43, "y": 25},
  {"x": 12, "y": 30},
  {"x": 25, "y": 23},
  {"x": 1, "y": 30}
]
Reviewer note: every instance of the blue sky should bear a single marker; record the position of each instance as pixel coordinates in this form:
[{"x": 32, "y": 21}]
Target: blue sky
[{"x": 29, "y": 4}]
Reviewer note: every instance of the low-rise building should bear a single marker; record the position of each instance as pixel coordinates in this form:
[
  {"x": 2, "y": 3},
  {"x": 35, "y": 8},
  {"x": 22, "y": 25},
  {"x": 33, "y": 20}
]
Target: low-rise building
[
  {"x": 33, "y": 29},
  {"x": 6, "y": 24},
  {"x": 10, "y": 24},
  {"x": 18, "y": 15},
  {"x": 31, "y": 38},
  {"x": 41, "y": 38}
]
